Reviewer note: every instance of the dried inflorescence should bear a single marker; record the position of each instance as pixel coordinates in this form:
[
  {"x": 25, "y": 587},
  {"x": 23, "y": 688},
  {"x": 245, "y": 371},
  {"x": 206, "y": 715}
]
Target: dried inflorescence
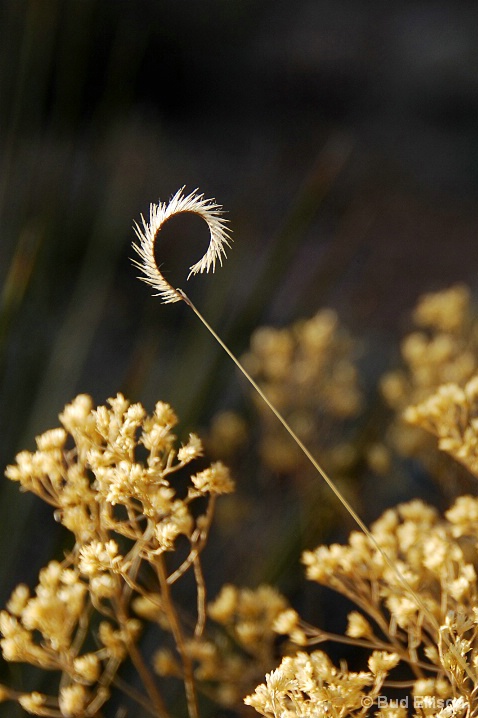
[
  {"x": 307, "y": 371},
  {"x": 434, "y": 644},
  {"x": 126, "y": 514},
  {"x": 451, "y": 414},
  {"x": 148, "y": 234},
  {"x": 310, "y": 685},
  {"x": 442, "y": 349}
]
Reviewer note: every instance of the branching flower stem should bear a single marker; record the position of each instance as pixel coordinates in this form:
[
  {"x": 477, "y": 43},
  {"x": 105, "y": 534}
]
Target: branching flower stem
[
  {"x": 138, "y": 662},
  {"x": 177, "y": 632},
  {"x": 147, "y": 680}
]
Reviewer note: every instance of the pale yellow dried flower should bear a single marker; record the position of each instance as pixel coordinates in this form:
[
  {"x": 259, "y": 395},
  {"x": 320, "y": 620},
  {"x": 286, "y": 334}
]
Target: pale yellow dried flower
[
  {"x": 447, "y": 310},
  {"x": 245, "y": 647},
  {"x": 288, "y": 623},
  {"x": 382, "y": 662},
  {"x": 223, "y": 608},
  {"x": 358, "y": 626},
  {"x": 32, "y": 702},
  {"x": 96, "y": 558},
  {"x": 72, "y": 701},
  {"x": 191, "y": 450},
  {"x": 437, "y": 638},
  {"x": 165, "y": 664},
  {"x": 113, "y": 640},
  {"x": 57, "y": 606},
  {"x": 214, "y": 480},
  {"x": 87, "y": 667},
  {"x": 18, "y": 600}
]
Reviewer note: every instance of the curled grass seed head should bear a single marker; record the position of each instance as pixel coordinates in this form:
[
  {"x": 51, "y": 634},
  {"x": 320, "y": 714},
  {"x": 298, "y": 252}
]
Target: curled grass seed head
[{"x": 159, "y": 214}]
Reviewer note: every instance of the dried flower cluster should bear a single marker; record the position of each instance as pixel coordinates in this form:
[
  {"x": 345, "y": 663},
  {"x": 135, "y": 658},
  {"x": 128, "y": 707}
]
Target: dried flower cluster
[
  {"x": 442, "y": 349},
  {"x": 435, "y": 650},
  {"x": 310, "y": 685},
  {"x": 307, "y": 371},
  {"x": 451, "y": 414},
  {"x": 127, "y": 516},
  {"x": 88, "y": 470}
]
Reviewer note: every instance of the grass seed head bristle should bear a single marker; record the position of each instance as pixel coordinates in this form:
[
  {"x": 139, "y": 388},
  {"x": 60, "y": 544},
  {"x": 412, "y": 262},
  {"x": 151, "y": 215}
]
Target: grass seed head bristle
[{"x": 147, "y": 234}]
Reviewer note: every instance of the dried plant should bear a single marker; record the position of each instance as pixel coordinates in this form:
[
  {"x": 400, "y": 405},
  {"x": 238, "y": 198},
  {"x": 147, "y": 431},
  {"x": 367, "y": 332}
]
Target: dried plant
[
  {"x": 127, "y": 517},
  {"x": 451, "y": 414},
  {"x": 307, "y": 369},
  {"x": 115, "y": 477},
  {"x": 442, "y": 349},
  {"x": 430, "y": 313},
  {"x": 239, "y": 646},
  {"x": 431, "y": 649},
  {"x": 219, "y": 239},
  {"x": 158, "y": 215}
]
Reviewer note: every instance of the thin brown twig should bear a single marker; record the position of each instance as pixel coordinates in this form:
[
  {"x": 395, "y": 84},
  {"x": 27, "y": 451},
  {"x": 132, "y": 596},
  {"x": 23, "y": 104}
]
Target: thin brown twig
[
  {"x": 177, "y": 632},
  {"x": 134, "y": 694},
  {"x": 201, "y": 598},
  {"x": 147, "y": 680}
]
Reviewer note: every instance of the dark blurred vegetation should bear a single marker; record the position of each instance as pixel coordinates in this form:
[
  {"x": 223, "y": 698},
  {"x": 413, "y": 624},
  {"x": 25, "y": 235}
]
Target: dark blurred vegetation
[{"x": 340, "y": 137}]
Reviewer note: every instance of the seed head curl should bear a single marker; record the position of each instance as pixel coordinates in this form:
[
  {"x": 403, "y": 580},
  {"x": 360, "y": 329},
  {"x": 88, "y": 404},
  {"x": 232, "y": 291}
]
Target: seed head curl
[{"x": 148, "y": 233}]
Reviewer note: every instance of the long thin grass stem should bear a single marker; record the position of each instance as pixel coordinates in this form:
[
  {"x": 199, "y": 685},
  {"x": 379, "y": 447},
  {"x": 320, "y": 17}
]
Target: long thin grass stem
[{"x": 463, "y": 664}]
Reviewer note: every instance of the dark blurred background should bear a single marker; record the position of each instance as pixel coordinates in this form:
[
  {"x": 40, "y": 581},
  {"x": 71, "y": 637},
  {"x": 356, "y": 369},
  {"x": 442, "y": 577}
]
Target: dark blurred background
[{"x": 340, "y": 136}]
